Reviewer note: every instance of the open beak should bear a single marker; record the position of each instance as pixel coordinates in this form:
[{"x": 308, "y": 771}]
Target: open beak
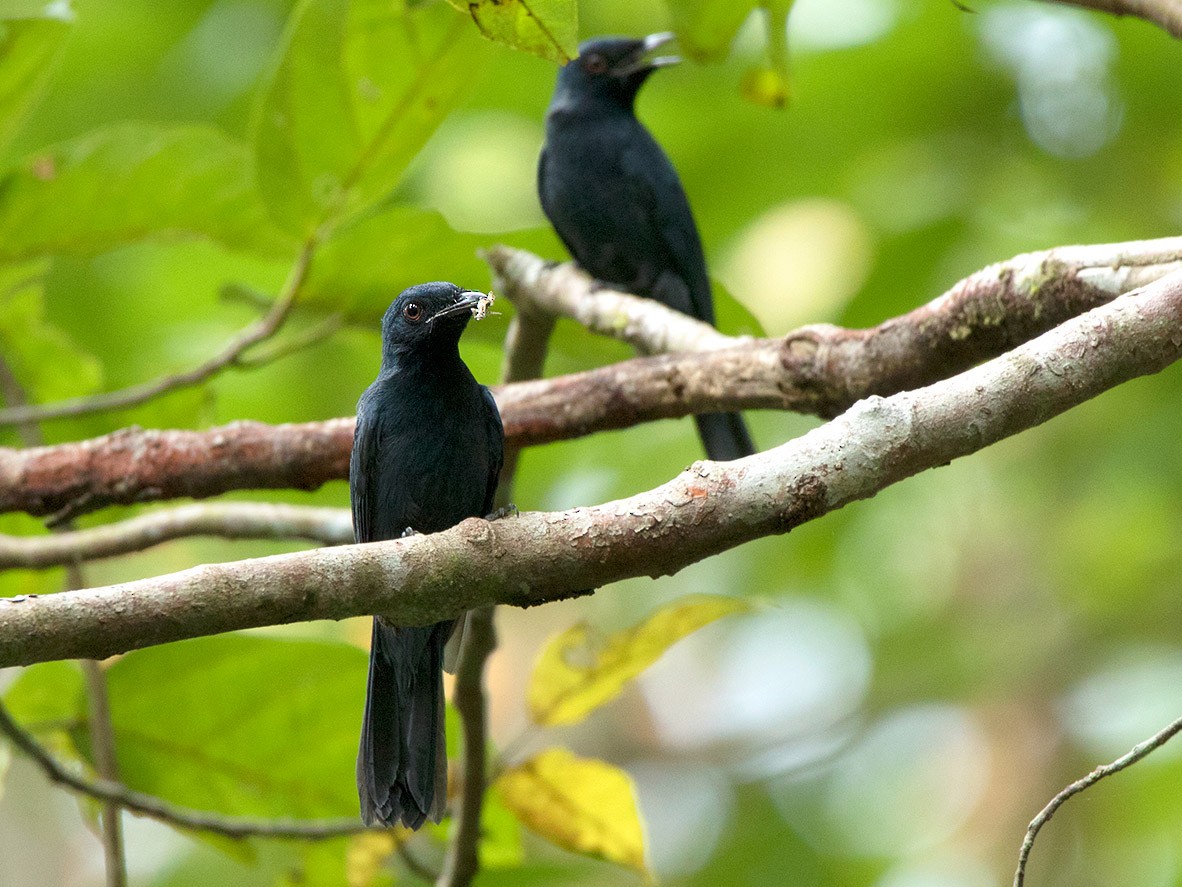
[
  {"x": 464, "y": 304},
  {"x": 641, "y": 60}
]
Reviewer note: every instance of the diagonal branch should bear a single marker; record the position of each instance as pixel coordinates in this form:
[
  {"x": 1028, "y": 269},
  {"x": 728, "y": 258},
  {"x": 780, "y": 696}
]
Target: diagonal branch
[
  {"x": 261, "y": 330},
  {"x": 1165, "y": 13},
  {"x": 710, "y": 507},
  {"x": 1135, "y": 754},
  {"x": 819, "y": 369},
  {"x": 228, "y": 520}
]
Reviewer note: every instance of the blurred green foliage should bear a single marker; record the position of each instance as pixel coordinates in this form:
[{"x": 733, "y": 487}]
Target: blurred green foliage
[{"x": 931, "y": 665}]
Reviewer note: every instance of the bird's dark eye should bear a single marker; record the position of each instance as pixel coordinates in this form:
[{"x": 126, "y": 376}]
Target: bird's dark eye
[
  {"x": 413, "y": 312},
  {"x": 594, "y": 63}
]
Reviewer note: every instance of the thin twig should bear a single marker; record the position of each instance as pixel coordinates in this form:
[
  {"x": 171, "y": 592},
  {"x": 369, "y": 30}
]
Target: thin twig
[
  {"x": 231, "y": 355},
  {"x": 227, "y": 520},
  {"x": 1135, "y": 754},
  {"x": 313, "y": 335},
  {"x": 171, "y": 814},
  {"x": 102, "y": 745},
  {"x": 462, "y": 861}
]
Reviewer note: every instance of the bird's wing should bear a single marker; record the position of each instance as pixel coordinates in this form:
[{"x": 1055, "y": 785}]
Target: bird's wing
[
  {"x": 681, "y": 280},
  {"x": 496, "y": 447},
  {"x": 366, "y": 443}
]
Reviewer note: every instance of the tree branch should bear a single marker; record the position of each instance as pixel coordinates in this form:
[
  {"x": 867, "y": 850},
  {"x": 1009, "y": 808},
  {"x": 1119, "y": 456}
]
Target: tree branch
[
  {"x": 156, "y": 808},
  {"x": 1138, "y": 752},
  {"x": 818, "y": 369},
  {"x": 134, "y": 395},
  {"x": 1165, "y": 13},
  {"x": 228, "y": 520},
  {"x": 708, "y": 508}
]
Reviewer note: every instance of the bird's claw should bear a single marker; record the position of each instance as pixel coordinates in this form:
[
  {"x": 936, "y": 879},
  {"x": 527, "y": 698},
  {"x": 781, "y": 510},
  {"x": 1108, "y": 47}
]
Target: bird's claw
[
  {"x": 509, "y": 510},
  {"x": 408, "y": 532}
]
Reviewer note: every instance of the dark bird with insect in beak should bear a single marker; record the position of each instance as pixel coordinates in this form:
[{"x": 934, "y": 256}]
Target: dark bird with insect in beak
[
  {"x": 427, "y": 451},
  {"x": 616, "y": 201}
]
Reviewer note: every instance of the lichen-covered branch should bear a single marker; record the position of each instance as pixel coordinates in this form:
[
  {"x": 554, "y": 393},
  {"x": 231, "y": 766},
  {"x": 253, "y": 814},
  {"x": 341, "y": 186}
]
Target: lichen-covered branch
[
  {"x": 710, "y": 507},
  {"x": 819, "y": 370}
]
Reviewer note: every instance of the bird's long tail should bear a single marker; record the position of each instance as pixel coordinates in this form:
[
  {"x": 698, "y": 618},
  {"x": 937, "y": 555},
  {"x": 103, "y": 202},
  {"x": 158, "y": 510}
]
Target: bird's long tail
[
  {"x": 402, "y": 762},
  {"x": 724, "y": 435}
]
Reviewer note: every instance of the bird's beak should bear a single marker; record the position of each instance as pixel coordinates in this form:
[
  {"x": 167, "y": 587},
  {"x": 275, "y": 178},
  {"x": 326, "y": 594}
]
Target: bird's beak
[
  {"x": 464, "y": 304},
  {"x": 641, "y": 60}
]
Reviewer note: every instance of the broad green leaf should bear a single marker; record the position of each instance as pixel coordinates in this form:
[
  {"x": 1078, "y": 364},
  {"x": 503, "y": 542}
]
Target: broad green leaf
[
  {"x": 366, "y": 263},
  {"x": 575, "y": 675},
  {"x": 128, "y": 183},
  {"x": 28, "y": 52},
  {"x": 546, "y": 28},
  {"x": 581, "y": 804},
  {"x": 46, "y": 362},
  {"x": 49, "y": 700},
  {"x": 357, "y": 92},
  {"x": 241, "y": 724},
  {"x": 47, "y": 693},
  {"x": 706, "y": 28}
]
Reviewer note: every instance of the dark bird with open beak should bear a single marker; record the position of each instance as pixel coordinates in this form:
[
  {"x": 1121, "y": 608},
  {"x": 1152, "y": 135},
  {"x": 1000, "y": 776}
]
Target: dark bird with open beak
[{"x": 616, "y": 201}]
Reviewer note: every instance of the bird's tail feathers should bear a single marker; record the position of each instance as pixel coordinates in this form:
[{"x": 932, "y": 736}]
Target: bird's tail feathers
[
  {"x": 724, "y": 435},
  {"x": 402, "y": 761}
]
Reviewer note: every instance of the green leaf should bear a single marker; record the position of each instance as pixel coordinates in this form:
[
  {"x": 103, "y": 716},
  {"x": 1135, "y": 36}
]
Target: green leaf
[
  {"x": 500, "y": 833},
  {"x": 132, "y": 182},
  {"x": 243, "y": 725},
  {"x": 366, "y": 263},
  {"x": 28, "y": 52},
  {"x": 575, "y": 674},
  {"x": 357, "y": 92},
  {"x": 46, "y": 362},
  {"x": 706, "y": 28},
  {"x": 546, "y": 28},
  {"x": 50, "y": 692},
  {"x": 581, "y": 804}
]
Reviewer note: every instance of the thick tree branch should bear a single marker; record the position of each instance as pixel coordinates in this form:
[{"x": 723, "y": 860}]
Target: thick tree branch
[
  {"x": 157, "y": 808},
  {"x": 228, "y": 520},
  {"x": 710, "y": 507},
  {"x": 1138, "y": 752},
  {"x": 259, "y": 331},
  {"x": 1165, "y": 13},
  {"x": 819, "y": 370}
]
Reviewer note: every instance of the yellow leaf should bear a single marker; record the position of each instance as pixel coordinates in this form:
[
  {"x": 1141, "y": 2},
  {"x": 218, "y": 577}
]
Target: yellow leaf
[
  {"x": 368, "y": 852},
  {"x": 765, "y": 86},
  {"x": 574, "y": 676},
  {"x": 581, "y": 804}
]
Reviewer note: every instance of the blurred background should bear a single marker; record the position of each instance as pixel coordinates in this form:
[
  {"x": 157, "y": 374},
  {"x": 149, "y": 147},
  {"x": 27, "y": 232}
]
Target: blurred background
[{"x": 924, "y": 669}]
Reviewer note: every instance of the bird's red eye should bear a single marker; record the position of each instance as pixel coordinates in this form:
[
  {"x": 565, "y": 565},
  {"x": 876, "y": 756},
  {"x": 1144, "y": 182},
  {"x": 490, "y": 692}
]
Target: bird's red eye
[
  {"x": 413, "y": 312},
  {"x": 594, "y": 63}
]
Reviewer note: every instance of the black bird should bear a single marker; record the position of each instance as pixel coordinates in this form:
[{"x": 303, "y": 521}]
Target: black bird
[
  {"x": 426, "y": 454},
  {"x": 616, "y": 201}
]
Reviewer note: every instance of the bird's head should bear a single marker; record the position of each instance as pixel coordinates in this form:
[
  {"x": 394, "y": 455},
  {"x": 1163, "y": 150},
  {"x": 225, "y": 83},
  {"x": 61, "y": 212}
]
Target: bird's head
[
  {"x": 612, "y": 68},
  {"x": 430, "y": 315}
]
